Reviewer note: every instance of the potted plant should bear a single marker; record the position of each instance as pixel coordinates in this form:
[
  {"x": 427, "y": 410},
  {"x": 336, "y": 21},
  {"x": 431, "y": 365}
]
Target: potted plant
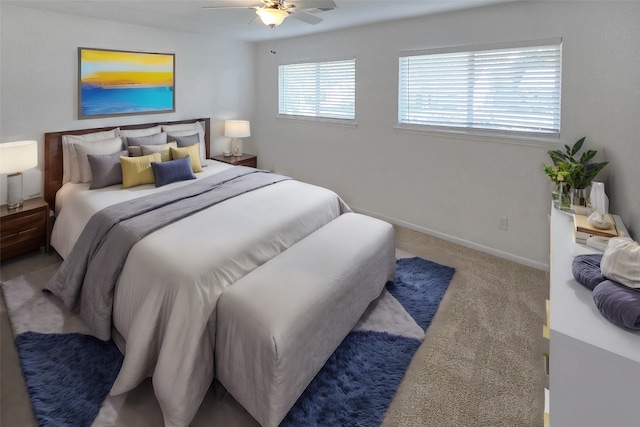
[{"x": 576, "y": 172}]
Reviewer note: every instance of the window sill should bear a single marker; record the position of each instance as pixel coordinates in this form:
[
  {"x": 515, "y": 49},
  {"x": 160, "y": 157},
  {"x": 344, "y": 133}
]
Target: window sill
[
  {"x": 319, "y": 121},
  {"x": 502, "y": 138}
]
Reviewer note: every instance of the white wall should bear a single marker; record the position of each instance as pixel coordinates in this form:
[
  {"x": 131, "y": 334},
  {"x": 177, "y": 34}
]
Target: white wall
[
  {"x": 214, "y": 77},
  {"x": 452, "y": 187}
]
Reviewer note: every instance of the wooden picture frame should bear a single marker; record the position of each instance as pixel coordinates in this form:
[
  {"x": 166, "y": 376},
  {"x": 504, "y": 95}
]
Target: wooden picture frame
[{"x": 121, "y": 83}]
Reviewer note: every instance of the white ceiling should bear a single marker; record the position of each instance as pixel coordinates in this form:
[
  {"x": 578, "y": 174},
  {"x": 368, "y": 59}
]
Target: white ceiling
[{"x": 188, "y": 15}]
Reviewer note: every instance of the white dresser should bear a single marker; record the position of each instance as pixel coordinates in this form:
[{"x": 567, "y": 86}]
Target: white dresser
[{"x": 594, "y": 365}]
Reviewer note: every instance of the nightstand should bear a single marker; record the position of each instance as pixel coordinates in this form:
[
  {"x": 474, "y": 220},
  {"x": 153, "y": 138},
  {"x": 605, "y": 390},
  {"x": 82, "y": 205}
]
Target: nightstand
[
  {"x": 24, "y": 229},
  {"x": 244, "y": 160}
]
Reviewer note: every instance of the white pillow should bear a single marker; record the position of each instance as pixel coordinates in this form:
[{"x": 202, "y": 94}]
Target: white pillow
[
  {"x": 125, "y": 133},
  {"x": 69, "y": 162},
  {"x": 184, "y": 126},
  {"x": 187, "y": 129},
  {"x": 621, "y": 261},
  {"x": 82, "y": 149}
]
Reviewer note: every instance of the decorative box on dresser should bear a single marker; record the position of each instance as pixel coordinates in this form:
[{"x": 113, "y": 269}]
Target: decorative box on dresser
[
  {"x": 244, "y": 160},
  {"x": 24, "y": 229},
  {"x": 594, "y": 365}
]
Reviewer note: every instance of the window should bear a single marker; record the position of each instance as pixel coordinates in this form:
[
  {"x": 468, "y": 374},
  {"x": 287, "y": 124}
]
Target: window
[
  {"x": 512, "y": 89},
  {"x": 318, "y": 89}
]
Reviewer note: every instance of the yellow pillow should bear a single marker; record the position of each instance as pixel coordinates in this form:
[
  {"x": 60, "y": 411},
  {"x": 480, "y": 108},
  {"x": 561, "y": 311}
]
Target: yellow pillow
[
  {"x": 193, "y": 151},
  {"x": 137, "y": 170},
  {"x": 163, "y": 149}
]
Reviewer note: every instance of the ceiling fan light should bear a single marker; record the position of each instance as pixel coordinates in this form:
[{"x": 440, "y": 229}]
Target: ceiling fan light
[{"x": 272, "y": 16}]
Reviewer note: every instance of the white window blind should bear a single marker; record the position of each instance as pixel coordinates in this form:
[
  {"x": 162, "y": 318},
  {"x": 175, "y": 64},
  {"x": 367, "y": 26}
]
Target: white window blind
[
  {"x": 318, "y": 89},
  {"x": 513, "y": 89}
]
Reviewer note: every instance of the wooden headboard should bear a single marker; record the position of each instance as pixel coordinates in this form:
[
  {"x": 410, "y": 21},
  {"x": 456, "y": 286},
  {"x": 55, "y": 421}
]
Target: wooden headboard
[{"x": 53, "y": 152}]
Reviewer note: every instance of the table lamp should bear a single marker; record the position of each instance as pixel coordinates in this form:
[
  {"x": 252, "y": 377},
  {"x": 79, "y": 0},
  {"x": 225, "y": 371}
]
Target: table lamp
[
  {"x": 237, "y": 129},
  {"x": 14, "y": 158}
]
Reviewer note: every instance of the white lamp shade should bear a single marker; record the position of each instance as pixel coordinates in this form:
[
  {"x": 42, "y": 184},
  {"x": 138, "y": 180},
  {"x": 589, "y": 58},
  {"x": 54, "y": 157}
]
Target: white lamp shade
[
  {"x": 237, "y": 128},
  {"x": 18, "y": 156},
  {"x": 272, "y": 16}
]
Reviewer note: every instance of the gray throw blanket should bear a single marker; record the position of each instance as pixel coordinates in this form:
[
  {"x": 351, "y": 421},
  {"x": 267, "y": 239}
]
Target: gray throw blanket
[
  {"x": 586, "y": 270},
  {"x": 618, "y": 303},
  {"x": 86, "y": 280}
]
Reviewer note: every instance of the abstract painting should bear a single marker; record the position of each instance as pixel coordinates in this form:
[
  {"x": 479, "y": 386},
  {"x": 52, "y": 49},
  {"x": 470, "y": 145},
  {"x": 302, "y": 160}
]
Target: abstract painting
[{"x": 117, "y": 83}]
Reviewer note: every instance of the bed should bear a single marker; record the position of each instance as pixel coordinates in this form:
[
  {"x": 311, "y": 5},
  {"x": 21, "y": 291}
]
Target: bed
[{"x": 164, "y": 304}]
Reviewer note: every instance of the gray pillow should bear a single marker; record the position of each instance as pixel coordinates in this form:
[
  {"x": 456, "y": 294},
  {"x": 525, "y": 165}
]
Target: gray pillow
[
  {"x": 135, "y": 142},
  {"x": 106, "y": 169},
  {"x": 185, "y": 140},
  {"x": 126, "y": 133},
  {"x": 156, "y": 139}
]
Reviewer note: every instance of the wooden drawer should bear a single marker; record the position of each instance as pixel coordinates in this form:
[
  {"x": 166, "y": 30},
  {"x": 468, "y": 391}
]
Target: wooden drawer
[
  {"x": 21, "y": 222},
  {"x": 252, "y": 163},
  {"x": 23, "y": 241},
  {"x": 245, "y": 160},
  {"x": 24, "y": 229}
]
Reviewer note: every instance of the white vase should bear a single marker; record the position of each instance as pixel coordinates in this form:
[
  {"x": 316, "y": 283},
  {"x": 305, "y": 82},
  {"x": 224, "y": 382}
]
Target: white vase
[{"x": 598, "y": 198}]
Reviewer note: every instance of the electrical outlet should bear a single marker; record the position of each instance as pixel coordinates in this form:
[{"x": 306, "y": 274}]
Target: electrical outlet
[{"x": 503, "y": 222}]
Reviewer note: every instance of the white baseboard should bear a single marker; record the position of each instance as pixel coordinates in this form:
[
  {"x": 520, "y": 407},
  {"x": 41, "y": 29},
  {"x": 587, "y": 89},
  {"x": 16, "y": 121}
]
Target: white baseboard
[{"x": 462, "y": 242}]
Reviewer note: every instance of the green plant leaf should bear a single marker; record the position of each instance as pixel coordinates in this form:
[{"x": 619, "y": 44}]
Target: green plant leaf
[
  {"x": 594, "y": 168},
  {"x": 558, "y": 156},
  {"x": 577, "y": 146},
  {"x": 587, "y": 155}
]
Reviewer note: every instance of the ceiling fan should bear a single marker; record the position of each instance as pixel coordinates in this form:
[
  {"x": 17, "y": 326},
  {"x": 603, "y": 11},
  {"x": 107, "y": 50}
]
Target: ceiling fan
[{"x": 273, "y": 12}]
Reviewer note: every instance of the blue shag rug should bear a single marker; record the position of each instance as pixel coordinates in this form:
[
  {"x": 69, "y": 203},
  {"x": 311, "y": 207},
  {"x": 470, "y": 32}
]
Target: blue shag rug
[
  {"x": 358, "y": 382},
  {"x": 69, "y": 375},
  {"x": 419, "y": 286}
]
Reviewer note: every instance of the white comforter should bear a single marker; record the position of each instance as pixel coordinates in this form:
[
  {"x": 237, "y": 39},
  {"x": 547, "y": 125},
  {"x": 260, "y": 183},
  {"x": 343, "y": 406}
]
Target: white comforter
[{"x": 164, "y": 305}]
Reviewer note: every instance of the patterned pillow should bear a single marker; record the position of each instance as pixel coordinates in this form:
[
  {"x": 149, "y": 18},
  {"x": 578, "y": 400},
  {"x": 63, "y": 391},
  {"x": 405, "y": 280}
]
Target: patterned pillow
[
  {"x": 193, "y": 151},
  {"x": 137, "y": 170}
]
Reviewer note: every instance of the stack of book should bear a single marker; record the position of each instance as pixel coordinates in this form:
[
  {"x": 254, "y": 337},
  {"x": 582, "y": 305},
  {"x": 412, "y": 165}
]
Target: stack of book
[{"x": 584, "y": 230}]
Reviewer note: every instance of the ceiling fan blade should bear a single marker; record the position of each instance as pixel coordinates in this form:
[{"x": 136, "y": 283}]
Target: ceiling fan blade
[
  {"x": 312, "y": 4},
  {"x": 306, "y": 17}
]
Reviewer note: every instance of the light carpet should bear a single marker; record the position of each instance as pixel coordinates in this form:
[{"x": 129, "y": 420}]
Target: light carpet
[{"x": 386, "y": 329}]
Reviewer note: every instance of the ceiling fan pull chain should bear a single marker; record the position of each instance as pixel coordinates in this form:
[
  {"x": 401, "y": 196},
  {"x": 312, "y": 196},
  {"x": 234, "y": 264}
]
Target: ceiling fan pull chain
[{"x": 273, "y": 39}]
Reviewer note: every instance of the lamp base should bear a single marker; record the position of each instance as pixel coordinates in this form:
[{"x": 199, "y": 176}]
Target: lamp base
[
  {"x": 236, "y": 147},
  {"x": 14, "y": 190}
]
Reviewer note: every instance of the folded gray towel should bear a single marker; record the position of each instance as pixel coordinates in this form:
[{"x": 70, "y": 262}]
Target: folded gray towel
[
  {"x": 586, "y": 270},
  {"x": 618, "y": 303}
]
